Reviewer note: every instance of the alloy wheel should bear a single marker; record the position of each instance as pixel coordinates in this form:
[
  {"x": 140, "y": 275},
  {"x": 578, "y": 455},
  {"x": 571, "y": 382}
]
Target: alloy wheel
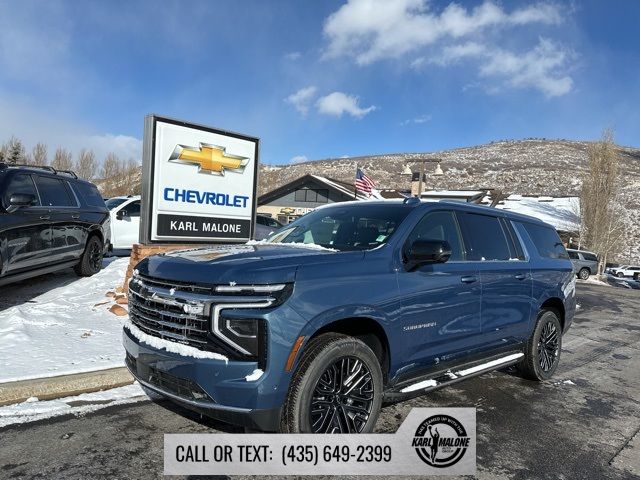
[
  {"x": 95, "y": 257},
  {"x": 548, "y": 346},
  {"x": 342, "y": 398}
]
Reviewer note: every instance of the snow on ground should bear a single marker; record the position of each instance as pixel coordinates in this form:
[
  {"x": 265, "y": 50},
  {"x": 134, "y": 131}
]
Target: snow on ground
[
  {"x": 32, "y": 409},
  {"x": 61, "y": 331}
]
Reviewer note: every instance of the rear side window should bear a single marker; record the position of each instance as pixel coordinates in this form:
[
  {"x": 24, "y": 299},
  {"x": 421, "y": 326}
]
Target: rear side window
[
  {"x": 21, "y": 184},
  {"x": 439, "y": 226},
  {"x": 90, "y": 194},
  {"x": 546, "y": 240},
  {"x": 485, "y": 238},
  {"x": 53, "y": 192},
  {"x": 590, "y": 256}
]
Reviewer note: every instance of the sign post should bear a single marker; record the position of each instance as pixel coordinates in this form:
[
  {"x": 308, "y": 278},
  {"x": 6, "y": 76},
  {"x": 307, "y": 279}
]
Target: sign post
[{"x": 198, "y": 184}]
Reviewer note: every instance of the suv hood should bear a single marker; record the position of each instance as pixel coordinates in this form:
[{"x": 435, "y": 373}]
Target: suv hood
[{"x": 242, "y": 264}]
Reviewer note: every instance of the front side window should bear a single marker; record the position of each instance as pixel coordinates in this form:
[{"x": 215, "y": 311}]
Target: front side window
[
  {"x": 573, "y": 255},
  {"x": 133, "y": 209},
  {"x": 114, "y": 202},
  {"x": 485, "y": 238},
  {"x": 353, "y": 227},
  {"x": 21, "y": 184},
  {"x": 439, "y": 226},
  {"x": 53, "y": 192}
]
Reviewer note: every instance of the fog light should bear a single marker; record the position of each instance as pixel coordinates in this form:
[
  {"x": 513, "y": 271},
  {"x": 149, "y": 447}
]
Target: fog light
[{"x": 243, "y": 327}]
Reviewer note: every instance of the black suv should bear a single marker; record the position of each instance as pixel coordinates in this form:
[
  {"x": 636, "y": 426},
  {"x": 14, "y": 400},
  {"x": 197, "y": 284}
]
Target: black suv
[{"x": 49, "y": 220}]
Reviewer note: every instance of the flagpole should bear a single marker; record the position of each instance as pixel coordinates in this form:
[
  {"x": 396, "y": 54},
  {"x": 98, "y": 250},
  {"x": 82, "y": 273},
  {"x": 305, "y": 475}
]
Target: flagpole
[{"x": 355, "y": 186}]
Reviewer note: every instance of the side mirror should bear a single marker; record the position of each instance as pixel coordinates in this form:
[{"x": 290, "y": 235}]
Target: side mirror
[
  {"x": 422, "y": 252},
  {"x": 18, "y": 200},
  {"x": 120, "y": 214}
]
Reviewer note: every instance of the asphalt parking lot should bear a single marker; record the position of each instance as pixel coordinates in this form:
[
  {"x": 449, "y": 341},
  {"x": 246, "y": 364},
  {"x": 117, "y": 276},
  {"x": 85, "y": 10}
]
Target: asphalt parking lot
[{"x": 582, "y": 424}]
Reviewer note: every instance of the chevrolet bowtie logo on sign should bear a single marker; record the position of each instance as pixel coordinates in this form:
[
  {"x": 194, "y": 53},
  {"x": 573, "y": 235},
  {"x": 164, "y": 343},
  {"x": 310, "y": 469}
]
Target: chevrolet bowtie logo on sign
[{"x": 211, "y": 159}]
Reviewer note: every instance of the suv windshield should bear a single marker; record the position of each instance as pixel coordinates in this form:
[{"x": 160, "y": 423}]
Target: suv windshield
[{"x": 349, "y": 227}]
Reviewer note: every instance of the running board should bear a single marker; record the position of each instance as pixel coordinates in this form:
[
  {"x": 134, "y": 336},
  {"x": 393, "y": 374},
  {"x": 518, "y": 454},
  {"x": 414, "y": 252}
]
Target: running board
[{"x": 450, "y": 377}]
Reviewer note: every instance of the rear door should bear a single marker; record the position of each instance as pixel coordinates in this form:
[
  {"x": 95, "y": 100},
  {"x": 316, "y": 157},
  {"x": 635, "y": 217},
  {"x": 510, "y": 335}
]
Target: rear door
[
  {"x": 68, "y": 233},
  {"x": 25, "y": 237},
  {"x": 505, "y": 275},
  {"x": 441, "y": 315}
]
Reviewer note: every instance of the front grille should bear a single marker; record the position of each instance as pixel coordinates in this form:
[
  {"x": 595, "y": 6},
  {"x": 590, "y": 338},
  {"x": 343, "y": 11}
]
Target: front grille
[
  {"x": 181, "y": 312},
  {"x": 160, "y": 311}
]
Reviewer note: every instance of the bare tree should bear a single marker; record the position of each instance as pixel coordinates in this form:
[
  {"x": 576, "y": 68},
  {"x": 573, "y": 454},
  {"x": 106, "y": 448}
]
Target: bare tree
[
  {"x": 62, "y": 159},
  {"x": 39, "y": 154},
  {"x": 111, "y": 166},
  {"x": 86, "y": 165},
  {"x": 601, "y": 228}
]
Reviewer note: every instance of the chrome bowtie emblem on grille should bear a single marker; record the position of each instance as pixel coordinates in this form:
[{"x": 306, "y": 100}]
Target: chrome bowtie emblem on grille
[{"x": 211, "y": 159}]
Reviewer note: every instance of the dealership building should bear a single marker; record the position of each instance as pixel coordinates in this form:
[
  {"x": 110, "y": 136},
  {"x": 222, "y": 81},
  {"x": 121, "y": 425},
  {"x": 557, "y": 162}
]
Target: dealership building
[{"x": 294, "y": 199}]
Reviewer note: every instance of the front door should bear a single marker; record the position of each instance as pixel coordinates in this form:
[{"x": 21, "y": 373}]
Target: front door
[
  {"x": 125, "y": 225},
  {"x": 441, "y": 321},
  {"x": 25, "y": 240}
]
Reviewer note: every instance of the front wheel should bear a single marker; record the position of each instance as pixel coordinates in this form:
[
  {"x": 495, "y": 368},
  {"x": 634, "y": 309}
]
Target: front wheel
[
  {"x": 91, "y": 260},
  {"x": 542, "y": 352},
  {"x": 620, "y": 275},
  {"x": 336, "y": 388}
]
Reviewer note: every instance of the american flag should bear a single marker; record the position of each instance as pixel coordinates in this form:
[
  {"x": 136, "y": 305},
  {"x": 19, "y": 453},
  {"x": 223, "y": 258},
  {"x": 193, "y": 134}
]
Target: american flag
[{"x": 364, "y": 183}]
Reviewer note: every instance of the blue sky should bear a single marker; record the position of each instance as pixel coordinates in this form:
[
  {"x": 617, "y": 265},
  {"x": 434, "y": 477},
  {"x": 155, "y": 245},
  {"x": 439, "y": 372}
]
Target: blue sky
[{"x": 320, "y": 79}]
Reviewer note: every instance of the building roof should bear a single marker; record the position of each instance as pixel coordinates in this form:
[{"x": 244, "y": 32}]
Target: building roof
[
  {"x": 330, "y": 183},
  {"x": 561, "y": 212}
]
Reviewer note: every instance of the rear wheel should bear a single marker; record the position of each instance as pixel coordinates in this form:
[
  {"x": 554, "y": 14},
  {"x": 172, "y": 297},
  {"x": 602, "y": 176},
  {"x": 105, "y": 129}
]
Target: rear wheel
[
  {"x": 91, "y": 260},
  {"x": 584, "y": 273},
  {"x": 542, "y": 352},
  {"x": 337, "y": 388}
]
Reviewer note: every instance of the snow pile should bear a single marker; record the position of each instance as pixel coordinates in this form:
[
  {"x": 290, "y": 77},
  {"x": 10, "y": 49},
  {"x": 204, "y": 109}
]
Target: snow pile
[
  {"x": 308, "y": 246},
  {"x": 32, "y": 410},
  {"x": 255, "y": 375},
  {"x": 68, "y": 329},
  {"x": 173, "y": 347}
]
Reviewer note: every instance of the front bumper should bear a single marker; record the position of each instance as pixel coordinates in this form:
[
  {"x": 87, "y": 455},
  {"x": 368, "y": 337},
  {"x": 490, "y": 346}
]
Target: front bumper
[{"x": 215, "y": 388}]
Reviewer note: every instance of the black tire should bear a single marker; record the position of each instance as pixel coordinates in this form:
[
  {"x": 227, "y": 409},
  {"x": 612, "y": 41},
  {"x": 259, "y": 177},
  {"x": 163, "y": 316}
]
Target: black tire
[
  {"x": 620, "y": 275},
  {"x": 91, "y": 260},
  {"x": 584, "y": 273},
  {"x": 337, "y": 408},
  {"x": 542, "y": 351}
]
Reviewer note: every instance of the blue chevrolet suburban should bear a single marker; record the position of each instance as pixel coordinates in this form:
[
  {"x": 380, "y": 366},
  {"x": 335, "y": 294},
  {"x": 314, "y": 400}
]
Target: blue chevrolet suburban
[{"x": 350, "y": 307}]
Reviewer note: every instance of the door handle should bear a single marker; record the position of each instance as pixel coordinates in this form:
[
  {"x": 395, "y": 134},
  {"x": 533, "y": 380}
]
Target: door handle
[
  {"x": 75, "y": 216},
  {"x": 469, "y": 279},
  {"x": 521, "y": 276},
  {"x": 45, "y": 217}
]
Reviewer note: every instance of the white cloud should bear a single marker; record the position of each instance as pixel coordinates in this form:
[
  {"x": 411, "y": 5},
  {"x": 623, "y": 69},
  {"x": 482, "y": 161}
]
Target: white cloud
[
  {"x": 416, "y": 120},
  {"x": 534, "y": 69},
  {"x": 32, "y": 124},
  {"x": 338, "y": 103},
  {"x": 299, "y": 159},
  {"x": 370, "y": 31},
  {"x": 302, "y": 99},
  {"x": 292, "y": 56}
]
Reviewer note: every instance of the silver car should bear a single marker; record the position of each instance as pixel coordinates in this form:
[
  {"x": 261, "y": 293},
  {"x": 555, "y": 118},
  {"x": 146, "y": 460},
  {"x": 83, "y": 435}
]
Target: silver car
[
  {"x": 584, "y": 263},
  {"x": 265, "y": 226}
]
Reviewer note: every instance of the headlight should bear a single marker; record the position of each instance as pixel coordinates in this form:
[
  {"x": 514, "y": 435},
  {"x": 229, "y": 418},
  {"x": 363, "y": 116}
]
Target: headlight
[{"x": 242, "y": 332}]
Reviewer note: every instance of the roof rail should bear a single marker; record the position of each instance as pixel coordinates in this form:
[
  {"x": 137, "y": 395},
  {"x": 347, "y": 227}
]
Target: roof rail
[
  {"x": 42, "y": 167},
  {"x": 68, "y": 172}
]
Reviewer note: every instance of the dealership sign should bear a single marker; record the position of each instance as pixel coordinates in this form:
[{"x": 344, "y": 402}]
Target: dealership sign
[{"x": 199, "y": 183}]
